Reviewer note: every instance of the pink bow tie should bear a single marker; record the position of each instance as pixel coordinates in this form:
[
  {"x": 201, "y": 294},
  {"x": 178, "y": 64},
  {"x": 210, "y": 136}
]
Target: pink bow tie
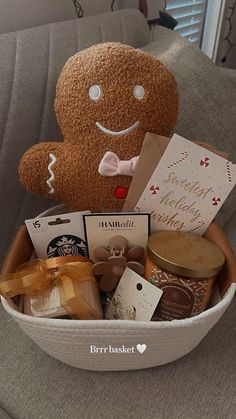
[{"x": 111, "y": 165}]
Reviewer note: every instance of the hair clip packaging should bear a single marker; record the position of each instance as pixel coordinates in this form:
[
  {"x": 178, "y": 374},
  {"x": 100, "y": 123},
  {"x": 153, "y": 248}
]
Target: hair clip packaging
[
  {"x": 58, "y": 236},
  {"x": 101, "y": 228}
]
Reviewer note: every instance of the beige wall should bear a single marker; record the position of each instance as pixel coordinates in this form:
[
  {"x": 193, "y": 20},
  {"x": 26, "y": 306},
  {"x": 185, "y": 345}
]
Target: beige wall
[
  {"x": 93, "y": 7},
  {"x": 21, "y": 14},
  {"x": 153, "y": 6},
  {"x": 223, "y": 45}
]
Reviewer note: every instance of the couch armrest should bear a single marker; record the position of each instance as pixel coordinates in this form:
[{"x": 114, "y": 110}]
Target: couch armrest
[{"x": 229, "y": 73}]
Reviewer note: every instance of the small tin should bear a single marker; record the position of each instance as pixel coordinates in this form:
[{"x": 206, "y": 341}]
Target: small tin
[{"x": 184, "y": 266}]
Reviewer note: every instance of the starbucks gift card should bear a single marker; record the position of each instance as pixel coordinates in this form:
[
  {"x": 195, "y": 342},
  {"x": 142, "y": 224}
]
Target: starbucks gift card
[
  {"x": 58, "y": 235},
  {"x": 187, "y": 188}
]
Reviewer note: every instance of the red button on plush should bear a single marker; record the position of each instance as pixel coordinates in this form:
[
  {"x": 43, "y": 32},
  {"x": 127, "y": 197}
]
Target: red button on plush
[{"x": 121, "y": 192}]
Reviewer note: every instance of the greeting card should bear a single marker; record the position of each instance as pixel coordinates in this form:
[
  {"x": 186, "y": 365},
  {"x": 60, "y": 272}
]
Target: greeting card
[
  {"x": 153, "y": 148},
  {"x": 187, "y": 188}
]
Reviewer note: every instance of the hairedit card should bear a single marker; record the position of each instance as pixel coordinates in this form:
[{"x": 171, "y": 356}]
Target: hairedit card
[
  {"x": 187, "y": 188},
  {"x": 100, "y": 228}
]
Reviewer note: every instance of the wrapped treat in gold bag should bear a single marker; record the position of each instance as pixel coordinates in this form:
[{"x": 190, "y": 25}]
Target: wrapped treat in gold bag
[{"x": 58, "y": 287}]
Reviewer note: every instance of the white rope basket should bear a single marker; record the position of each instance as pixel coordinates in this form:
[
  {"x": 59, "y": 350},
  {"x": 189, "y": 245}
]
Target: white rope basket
[
  {"x": 70, "y": 340},
  {"x": 77, "y": 342}
]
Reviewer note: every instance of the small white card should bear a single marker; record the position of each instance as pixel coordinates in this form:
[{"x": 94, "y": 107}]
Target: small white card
[
  {"x": 100, "y": 228},
  {"x": 135, "y": 298},
  {"x": 187, "y": 188},
  {"x": 58, "y": 235}
]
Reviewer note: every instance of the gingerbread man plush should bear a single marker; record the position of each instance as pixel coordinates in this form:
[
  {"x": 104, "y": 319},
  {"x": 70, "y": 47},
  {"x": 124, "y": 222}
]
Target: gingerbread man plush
[{"x": 107, "y": 98}]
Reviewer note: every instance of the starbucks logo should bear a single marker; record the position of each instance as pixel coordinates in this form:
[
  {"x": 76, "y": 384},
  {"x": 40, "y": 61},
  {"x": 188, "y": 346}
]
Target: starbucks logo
[{"x": 67, "y": 246}]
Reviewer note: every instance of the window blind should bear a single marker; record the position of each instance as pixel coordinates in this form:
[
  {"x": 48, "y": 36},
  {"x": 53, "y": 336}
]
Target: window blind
[{"x": 190, "y": 15}]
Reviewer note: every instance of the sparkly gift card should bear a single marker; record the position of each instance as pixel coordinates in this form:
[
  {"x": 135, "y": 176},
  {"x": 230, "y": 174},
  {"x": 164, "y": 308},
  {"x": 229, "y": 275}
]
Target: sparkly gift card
[
  {"x": 135, "y": 298},
  {"x": 58, "y": 235},
  {"x": 187, "y": 188}
]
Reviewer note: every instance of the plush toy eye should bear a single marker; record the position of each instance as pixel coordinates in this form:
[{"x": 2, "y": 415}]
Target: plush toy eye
[
  {"x": 95, "y": 92},
  {"x": 138, "y": 91}
]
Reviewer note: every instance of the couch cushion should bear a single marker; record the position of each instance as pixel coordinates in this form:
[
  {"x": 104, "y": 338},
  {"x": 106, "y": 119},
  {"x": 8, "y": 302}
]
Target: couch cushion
[
  {"x": 4, "y": 414},
  {"x": 16, "y": 15},
  {"x": 207, "y": 98}
]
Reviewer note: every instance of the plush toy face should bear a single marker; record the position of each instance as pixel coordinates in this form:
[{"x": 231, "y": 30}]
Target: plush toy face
[
  {"x": 111, "y": 90},
  {"x": 107, "y": 98}
]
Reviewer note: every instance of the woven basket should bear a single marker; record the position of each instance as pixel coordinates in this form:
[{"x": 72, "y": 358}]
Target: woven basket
[
  {"x": 70, "y": 340},
  {"x": 74, "y": 341}
]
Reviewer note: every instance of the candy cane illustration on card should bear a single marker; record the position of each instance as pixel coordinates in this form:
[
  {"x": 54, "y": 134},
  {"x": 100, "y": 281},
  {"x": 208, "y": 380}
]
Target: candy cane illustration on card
[{"x": 187, "y": 188}]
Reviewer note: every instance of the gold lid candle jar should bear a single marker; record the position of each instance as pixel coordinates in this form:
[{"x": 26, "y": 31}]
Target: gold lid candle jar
[{"x": 184, "y": 266}]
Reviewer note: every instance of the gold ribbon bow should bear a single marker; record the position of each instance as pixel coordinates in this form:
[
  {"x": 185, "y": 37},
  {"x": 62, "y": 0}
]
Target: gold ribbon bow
[{"x": 36, "y": 276}]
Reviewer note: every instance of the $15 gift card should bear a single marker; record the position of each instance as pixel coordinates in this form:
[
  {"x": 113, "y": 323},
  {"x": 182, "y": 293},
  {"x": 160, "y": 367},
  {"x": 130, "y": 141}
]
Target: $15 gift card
[{"x": 58, "y": 235}]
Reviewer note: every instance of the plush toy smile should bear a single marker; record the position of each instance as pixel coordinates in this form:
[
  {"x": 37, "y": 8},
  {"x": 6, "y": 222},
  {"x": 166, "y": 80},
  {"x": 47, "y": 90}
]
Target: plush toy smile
[
  {"x": 124, "y": 88},
  {"x": 117, "y": 133}
]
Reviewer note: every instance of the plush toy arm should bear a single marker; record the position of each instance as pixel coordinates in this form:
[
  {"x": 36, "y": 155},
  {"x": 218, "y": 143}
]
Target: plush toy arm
[{"x": 36, "y": 168}]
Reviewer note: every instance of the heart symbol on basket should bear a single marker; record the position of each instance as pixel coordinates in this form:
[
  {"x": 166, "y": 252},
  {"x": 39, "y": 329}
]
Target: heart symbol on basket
[{"x": 141, "y": 348}]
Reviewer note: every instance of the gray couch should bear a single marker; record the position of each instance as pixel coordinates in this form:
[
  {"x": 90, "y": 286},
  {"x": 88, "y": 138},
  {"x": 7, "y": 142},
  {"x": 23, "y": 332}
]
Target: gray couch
[{"x": 33, "y": 385}]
